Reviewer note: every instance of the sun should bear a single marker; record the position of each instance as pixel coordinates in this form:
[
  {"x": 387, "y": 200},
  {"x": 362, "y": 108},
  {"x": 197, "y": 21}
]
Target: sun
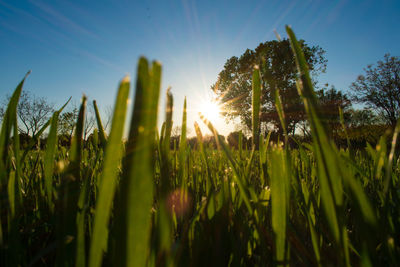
[{"x": 210, "y": 110}]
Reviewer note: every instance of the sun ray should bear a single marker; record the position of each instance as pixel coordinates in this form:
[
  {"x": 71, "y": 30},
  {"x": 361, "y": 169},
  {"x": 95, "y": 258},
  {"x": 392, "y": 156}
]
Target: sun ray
[{"x": 211, "y": 110}]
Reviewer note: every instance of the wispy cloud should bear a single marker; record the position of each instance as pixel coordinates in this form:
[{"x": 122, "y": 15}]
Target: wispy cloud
[{"x": 62, "y": 21}]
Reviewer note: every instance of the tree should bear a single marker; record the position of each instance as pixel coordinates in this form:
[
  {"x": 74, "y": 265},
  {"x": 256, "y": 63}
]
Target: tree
[
  {"x": 68, "y": 120},
  {"x": 330, "y": 100},
  {"x": 2, "y": 111},
  {"x": 379, "y": 88},
  {"x": 176, "y": 131},
  {"x": 33, "y": 112},
  {"x": 278, "y": 69},
  {"x": 108, "y": 112},
  {"x": 233, "y": 139},
  {"x": 90, "y": 121},
  {"x": 362, "y": 117}
]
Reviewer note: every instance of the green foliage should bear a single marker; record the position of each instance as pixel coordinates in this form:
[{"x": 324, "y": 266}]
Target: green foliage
[
  {"x": 109, "y": 176},
  {"x": 136, "y": 197},
  {"x": 278, "y": 69},
  {"x": 99, "y": 125},
  {"x": 144, "y": 203},
  {"x": 331, "y": 101}
]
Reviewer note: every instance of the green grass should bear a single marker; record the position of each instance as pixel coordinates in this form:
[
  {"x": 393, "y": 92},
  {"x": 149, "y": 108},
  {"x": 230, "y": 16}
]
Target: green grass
[{"x": 143, "y": 202}]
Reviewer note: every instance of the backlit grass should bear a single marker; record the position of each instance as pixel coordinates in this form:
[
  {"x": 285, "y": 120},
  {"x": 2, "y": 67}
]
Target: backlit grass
[{"x": 106, "y": 202}]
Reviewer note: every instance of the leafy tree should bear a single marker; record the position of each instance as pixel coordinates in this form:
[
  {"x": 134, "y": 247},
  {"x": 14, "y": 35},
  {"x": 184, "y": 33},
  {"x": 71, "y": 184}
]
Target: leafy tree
[
  {"x": 379, "y": 88},
  {"x": 192, "y": 141},
  {"x": 209, "y": 141},
  {"x": 233, "y": 139},
  {"x": 67, "y": 122},
  {"x": 69, "y": 118},
  {"x": 33, "y": 112},
  {"x": 278, "y": 69},
  {"x": 330, "y": 100},
  {"x": 362, "y": 117}
]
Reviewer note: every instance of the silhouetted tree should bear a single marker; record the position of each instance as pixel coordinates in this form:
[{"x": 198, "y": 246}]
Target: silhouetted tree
[
  {"x": 278, "y": 70},
  {"x": 90, "y": 122},
  {"x": 379, "y": 88},
  {"x": 233, "y": 139},
  {"x": 362, "y": 117},
  {"x": 108, "y": 112},
  {"x": 69, "y": 118},
  {"x": 192, "y": 142},
  {"x": 330, "y": 100},
  {"x": 67, "y": 122},
  {"x": 33, "y": 112}
]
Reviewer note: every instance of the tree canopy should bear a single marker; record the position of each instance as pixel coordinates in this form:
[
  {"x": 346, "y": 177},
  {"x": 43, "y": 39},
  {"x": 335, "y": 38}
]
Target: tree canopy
[
  {"x": 278, "y": 70},
  {"x": 379, "y": 88},
  {"x": 330, "y": 100}
]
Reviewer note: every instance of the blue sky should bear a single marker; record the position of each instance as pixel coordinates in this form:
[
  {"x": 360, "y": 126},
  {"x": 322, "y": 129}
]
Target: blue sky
[{"x": 75, "y": 47}]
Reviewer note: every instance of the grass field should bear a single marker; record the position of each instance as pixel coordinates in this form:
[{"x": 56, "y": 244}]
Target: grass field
[{"x": 141, "y": 203}]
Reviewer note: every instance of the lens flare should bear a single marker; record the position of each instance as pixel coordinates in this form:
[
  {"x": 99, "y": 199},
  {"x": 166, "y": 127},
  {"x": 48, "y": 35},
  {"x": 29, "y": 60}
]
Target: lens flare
[{"x": 210, "y": 110}]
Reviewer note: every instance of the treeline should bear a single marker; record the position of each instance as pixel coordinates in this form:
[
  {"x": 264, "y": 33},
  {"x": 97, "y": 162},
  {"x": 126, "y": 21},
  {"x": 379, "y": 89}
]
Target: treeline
[
  {"x": 356, "y": 133},
  {"x": 377, "y": 92}
]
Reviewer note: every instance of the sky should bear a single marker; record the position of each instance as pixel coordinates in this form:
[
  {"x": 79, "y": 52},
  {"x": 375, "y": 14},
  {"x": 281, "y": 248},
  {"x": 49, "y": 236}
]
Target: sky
[{"x": 76, "y": 47}]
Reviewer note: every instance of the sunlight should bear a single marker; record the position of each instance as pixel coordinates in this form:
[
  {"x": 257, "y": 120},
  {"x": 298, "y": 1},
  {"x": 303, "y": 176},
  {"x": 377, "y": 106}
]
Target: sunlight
[{"x": 211, "y": 110}]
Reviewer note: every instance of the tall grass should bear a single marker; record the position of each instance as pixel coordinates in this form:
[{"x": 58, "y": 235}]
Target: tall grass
[{"x": 144, "y": 202}]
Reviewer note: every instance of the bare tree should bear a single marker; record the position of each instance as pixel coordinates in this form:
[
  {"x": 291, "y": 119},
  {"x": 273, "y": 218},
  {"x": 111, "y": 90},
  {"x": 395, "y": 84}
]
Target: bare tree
[
  {"x": 108, "y": 112},
  {"x": 33, "y": 112},
  {"x": 176, "y": 131},
  {"x": 379, "y": 88},
  {"x": 90, "y": 121}
]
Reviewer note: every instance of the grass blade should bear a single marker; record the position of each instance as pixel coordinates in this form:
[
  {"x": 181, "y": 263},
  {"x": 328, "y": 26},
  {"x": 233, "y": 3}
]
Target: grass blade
[
  {"x": 279, "y": 201},
  {"x": 49, "y": 159},
  {"x": 330, "y": 188},
  {"x": 99, "y": 125},
  {"x": 238, "y": 178},
  {"x": 256, "y": 99},
  {"x": 67, "y": 209},
  {"x": 183, "y": 149},
  {"x": 109, "y": 176},
  {"x": 389, "y": 165},
  {"x": 137, "y": 181},
  {"x": 8, "y": 121},
  {"x": 33, "y": 141}
]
